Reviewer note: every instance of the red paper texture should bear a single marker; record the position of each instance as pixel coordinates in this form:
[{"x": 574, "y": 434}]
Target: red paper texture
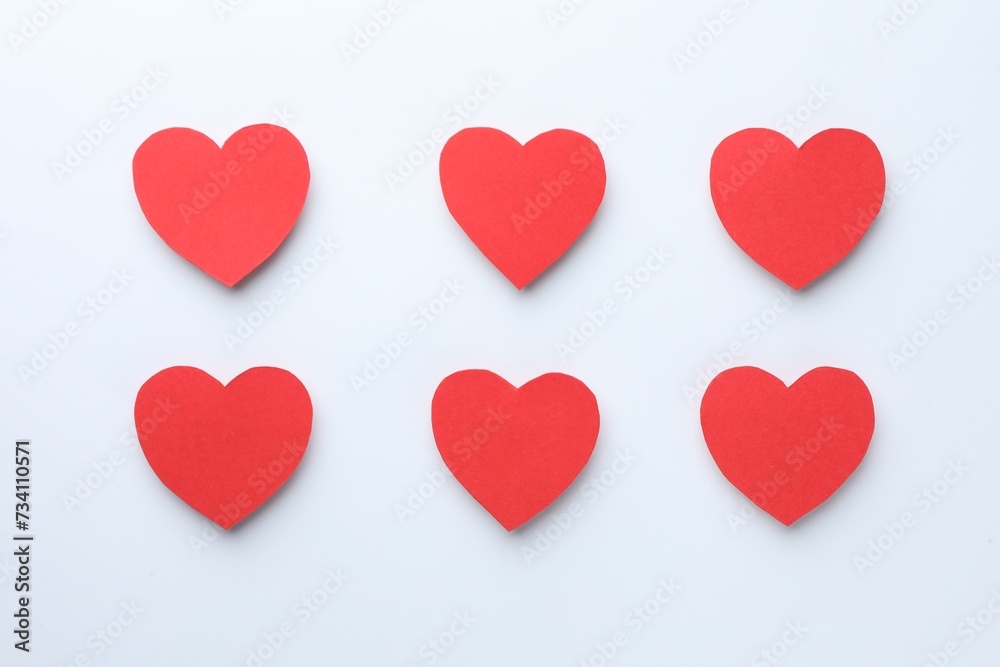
[
  {"x": 514, "y": 450},
  {"x": 224, "y": 210},
  {"x": 223, "y": 450},
  {"x": 787, "y": 449},
  {"x": 797, "y": 212},
  {"x": 523, "y": 206}
]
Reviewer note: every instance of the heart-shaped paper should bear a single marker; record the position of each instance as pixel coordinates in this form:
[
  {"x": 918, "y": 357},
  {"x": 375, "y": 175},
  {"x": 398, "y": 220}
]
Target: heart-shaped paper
[
  {"x": 523, "y": 206},
  {"x": 514, "y": 450},
  {"x": 787, "y": 449},
  {"x": 223, "y": 450},
  {"x": 797, "y": 211},
  {"x": 225, "y": 210}
]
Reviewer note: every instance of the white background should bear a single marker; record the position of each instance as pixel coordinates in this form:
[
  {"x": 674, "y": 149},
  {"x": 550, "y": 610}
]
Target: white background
[{"x": 670, "y": 515}]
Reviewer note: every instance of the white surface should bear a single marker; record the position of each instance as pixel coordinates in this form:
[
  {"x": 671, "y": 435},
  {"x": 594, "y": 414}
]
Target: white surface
[{"x": 667, "y": 516}]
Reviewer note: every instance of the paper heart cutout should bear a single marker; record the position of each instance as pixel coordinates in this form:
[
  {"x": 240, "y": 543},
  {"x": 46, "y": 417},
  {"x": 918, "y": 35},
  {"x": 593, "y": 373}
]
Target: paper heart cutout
[
  {"x": 788, "y": 449},
  {"x": 797, "y": 211},
  {"x": 515, "y": 450},
  {"x": 225, "y": 210},
  {"x": 223, "y": 450},
  {"x": 523, "y": 206}
]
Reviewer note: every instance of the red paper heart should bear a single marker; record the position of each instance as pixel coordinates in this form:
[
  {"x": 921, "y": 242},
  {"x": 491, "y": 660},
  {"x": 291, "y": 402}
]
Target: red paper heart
[
  {"x": 223, "y": 450},
  {"x": 224, "y": 210},
  {"x": 514, "y": 450},
  {"x": 523, "y": 206},
  {"x": 797, "y": 212},
  {"x": 787, "y": 448}
]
